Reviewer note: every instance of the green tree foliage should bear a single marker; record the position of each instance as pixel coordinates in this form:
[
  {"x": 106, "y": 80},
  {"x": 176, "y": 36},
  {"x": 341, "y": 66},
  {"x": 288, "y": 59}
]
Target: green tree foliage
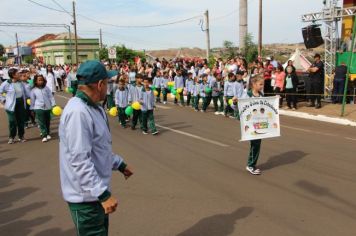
[
  {"x": 122, "y": 53},
  {"x": 28, "y": 59},
  {"x": 2, "y": 50},
  {"x": 229, "y": 51},
  {"x": 250, "y": 50}
]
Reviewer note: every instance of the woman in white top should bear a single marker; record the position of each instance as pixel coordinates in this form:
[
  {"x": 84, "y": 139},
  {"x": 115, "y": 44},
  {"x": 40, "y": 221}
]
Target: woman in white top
[{"x": 50, "y": 78}]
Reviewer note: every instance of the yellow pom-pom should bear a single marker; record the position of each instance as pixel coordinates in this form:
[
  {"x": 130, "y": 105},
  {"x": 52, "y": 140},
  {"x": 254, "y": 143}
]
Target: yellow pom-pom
[
  {"x": 57, "y": 110},
  {"x": 136, "y": 106},
  {"x": 180, "y": 90},
  {"x": 28, "y": 101},
  {"x": 155, "y": 93},
  {"x": 4, "y": 94},
  {"x": 230, "y": 102},
  {"x": 113, "y": 111}
]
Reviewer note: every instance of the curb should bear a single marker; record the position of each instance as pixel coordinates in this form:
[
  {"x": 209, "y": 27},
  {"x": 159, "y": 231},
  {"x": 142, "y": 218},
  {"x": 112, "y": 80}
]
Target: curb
[{"x": 322, "y": 118}]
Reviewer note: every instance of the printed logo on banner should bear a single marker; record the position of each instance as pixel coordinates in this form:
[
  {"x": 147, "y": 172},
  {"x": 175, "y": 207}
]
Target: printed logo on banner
[{"x": 259, "y": 118}]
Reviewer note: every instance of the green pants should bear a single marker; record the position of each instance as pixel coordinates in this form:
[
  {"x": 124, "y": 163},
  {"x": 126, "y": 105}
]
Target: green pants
[
  {"x": 208, "y": 100},
  {"x": 110, "y": 101},
  {"x": 165, "y": 92},
  {"x": 228, "y": 109},
  {"x": 205, "y": 103},
  {"x": 147, "y": 117},
  {"x": 255, "y": 147},
  {"x": 158, "y": 97},
  {"x": 122, "y": 116},
  {"x": 181, "y": 98},
  {"x": 136, "y": 116},
  {"x": 196, "y": 102},
  {"x": 219, "y": 98},
  {"x": 16, "y": 119},
  {"x": 89, "y": 219},
  {"x": 44, "y": 120},
  {"x": 74, "y": 86}
]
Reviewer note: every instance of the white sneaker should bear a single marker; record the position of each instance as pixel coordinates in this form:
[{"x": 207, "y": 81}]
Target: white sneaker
[
  {"x": 217, "y": 113},
  {"x": 222, "y": 113},
  {"x": 49, "y": 137},
  {"x": 44, "y": 140},
  {"x": 11, "y": 141},
  {"x": 144, "y": 132},
  {"x": 156, "y": 132},
  {"x": 21, "y": 140},
  {"x": 164, "y": 103},
  {"x": 253, "y": 171}
]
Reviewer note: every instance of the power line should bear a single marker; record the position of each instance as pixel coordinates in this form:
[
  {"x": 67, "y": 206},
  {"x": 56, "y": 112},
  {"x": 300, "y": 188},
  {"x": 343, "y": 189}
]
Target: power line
[
  {"x": 140, "y": 26},
  {"x": 49, "y": 8},
  {"x": 60, "y": 6},
  {"x": 114, "y": 25}
]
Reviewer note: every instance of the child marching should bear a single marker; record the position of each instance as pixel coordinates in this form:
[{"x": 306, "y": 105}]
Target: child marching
[
  {"x": 42, "y": 101},
  {"x": 134, "y": 96},
  {"x": 121, "y": 101},
  {"x": 255, "y": 145},
  {"x": 15, "y": 105},
  {"x": 147, "y": 100}
]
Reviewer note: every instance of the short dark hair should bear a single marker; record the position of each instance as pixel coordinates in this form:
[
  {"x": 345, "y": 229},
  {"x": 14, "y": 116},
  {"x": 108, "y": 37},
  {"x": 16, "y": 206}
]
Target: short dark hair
[
  {"x": 139, "y": 76},
  {"x": 12, "y": 72},
  {"x": 317, "y": 55}
]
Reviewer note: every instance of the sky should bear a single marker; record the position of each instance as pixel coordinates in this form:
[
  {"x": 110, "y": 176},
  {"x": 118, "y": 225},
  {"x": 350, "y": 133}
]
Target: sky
[{"x": 281, "y": 21}]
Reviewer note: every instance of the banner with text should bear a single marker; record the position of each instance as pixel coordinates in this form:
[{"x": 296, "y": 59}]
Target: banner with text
[{"x": 259, "y": 118}]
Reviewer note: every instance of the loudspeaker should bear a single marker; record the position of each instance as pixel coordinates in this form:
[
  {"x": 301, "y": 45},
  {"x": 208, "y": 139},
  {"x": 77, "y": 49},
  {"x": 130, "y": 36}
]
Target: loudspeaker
[{"x": 312, "y": 36}]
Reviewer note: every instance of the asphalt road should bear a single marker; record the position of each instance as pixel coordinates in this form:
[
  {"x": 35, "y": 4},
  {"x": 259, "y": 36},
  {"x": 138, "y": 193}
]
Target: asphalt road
[{"x": 191, "y": 180}]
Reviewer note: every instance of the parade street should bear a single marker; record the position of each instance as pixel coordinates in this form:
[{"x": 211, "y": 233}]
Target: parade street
[{"x": 191, "y": 180}]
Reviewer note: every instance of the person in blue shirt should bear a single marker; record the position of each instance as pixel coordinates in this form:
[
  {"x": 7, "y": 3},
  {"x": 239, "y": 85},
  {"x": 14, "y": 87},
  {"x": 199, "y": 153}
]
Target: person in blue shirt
[
  {"x": 42, "y": 101},
  {"x": 179, "y": 85},
  {"x": 229, "y": 93},
  {"x": 156, "y": 84},
  {"x": 86, "y": 159},
  {"x": 147, "y": 100},
  {"x": 13, "y": 94},
  {"x": 121, "y": 101},
  {"x": 189, "y": 87},
  {"x": 218, "y": 95},
  {"x": 134, "y": 96}
]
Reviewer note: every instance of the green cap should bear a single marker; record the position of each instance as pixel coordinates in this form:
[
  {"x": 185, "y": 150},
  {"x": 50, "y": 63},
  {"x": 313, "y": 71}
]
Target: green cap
[{"x": 93, "y": 71}]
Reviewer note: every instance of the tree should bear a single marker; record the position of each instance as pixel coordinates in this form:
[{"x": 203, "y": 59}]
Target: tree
[
  {"x": 103, "y": 54},
  {"x": 2, "y": 50},
  {"x": 28, "y": 59},
  {"x": 229, "y": 50},
  {"x": 250, "y": 50},
  {"x": 122, "y": 54}
]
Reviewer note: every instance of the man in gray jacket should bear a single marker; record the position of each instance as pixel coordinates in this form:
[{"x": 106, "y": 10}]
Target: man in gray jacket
[{"x": 85, "y": 152}]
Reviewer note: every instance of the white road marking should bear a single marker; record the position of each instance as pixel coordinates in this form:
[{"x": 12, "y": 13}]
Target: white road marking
[
  {"x": 194, "y": 136},
  {"x": 61, "y": 96},
  {"x": 309, "y": 131},
  {"x": 225, "y": 145},
  {"x": 163, "y": 107},
  {"x": 353, "y": 139}
]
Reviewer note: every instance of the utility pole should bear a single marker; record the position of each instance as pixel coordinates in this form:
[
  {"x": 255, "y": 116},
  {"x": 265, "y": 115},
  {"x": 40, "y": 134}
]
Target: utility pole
[
  {"x": 243, "y": 23},
  {"x": 18, "y": 50},
  {"x": 101, "y": 39},
  {"x": 75, "y": 34},
  {"x": 260, "y": 30},
  {"x": 207, "y": 32}
]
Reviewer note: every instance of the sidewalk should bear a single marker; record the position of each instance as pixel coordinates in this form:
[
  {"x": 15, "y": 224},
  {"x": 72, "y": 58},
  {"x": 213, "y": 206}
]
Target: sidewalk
[{"x": 328, "y": 113}]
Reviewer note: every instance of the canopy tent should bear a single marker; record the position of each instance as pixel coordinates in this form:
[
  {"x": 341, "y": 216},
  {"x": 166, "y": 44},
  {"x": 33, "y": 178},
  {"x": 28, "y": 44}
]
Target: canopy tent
[{"x": 299, "y": 61}]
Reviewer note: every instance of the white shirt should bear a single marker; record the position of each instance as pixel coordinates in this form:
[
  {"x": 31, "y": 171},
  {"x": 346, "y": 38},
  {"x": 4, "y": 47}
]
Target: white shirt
[{"x": 51, "y": 82}]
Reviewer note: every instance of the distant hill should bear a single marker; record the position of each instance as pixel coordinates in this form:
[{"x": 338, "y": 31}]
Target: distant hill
[{"x": 279, "y": 50}]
